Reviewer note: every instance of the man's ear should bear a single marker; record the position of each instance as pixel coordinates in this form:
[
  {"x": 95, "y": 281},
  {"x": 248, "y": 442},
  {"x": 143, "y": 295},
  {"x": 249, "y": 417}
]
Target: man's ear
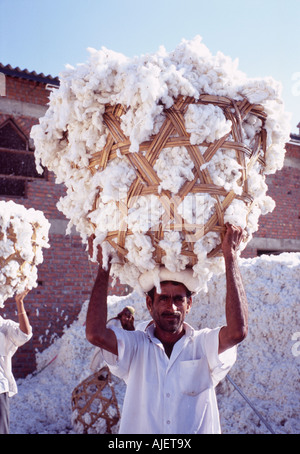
[
  {"x": 189, "y": 304},
  {"x": 149, "y": 303}
]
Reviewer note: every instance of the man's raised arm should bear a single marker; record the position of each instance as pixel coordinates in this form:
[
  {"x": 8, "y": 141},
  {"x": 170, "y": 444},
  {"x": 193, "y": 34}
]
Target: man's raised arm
[
  {"x": 236, "y": 328},
  {"x": 96, "y": 331}
]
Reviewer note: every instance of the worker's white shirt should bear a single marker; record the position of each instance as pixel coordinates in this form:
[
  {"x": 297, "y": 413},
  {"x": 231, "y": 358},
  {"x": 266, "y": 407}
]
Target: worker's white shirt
[
  {"x": 173, "y": 395},
  {"x": 97, "y": 359},
  {"x": 11, "y": 337}
]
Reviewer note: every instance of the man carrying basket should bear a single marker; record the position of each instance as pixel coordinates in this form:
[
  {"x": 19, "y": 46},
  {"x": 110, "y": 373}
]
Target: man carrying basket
[{"x": 170, "y": 369}]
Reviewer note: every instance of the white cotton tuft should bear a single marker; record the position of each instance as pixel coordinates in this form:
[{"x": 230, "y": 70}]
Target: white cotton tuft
[{"x": 206, "y": 123}]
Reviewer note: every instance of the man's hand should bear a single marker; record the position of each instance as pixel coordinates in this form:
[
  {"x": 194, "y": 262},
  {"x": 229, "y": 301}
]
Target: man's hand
[
  {"x": 20, "y": 297},
  {"x": 236, "y": 300},
  {"x": 96, "y": 331},
  {"x": 232, "y": 240},
  {"x": 23, "y": 319}
]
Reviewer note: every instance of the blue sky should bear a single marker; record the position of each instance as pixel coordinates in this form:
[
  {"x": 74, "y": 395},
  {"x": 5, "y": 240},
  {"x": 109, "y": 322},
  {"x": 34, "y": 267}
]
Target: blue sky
[{"x": 264, "y": 35}]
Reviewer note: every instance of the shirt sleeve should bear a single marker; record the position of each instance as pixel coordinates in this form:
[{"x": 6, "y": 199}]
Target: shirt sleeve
[
  {"x": 219, "y": 364},
  {"x": 127, "y": 345},
  {"x": 14, "y": 336},
  {"x": 17, "y": 336}
]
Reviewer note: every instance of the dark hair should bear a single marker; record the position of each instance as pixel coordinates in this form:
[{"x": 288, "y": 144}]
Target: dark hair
[{"x": 152, "y": 291}]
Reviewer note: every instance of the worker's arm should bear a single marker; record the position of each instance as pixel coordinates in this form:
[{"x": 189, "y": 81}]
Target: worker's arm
[
  {"x": 236, "y": 328},
  {"x": 22, "y": 315},
  {"x": 96, "y": 331}
]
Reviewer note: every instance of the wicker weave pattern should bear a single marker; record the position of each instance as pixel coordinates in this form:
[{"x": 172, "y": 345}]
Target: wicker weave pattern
[
  {"x": 16, "y": 256},
  {"x": 173, "y": 134},
  {"x": 94, "y": 392}
]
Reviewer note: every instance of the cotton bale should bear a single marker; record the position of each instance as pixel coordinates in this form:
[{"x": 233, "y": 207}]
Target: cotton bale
[
  {"x": 158, "y": 152},
  {"x": 23, "y": 235}
]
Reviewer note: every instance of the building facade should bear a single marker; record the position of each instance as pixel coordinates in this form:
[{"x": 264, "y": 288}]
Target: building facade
[
  {"x": 66, "y": 276},
  {"x": 279, "y": 231}
]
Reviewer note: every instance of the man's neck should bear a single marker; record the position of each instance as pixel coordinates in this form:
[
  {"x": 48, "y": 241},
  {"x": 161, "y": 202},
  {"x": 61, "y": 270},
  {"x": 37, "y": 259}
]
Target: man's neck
[{"x": 168, "y": 339}]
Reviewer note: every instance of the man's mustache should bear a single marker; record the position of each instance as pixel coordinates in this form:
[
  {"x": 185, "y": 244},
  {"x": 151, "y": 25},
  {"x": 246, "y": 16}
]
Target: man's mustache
[{"x": 166, "y": 313}]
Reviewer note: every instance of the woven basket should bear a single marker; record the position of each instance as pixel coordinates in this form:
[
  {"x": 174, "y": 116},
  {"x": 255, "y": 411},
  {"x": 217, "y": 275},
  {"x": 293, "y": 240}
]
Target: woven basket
[
  {"x": 173, "y": 134},
  {"x": 16, "y": 256},
  {"x": 94, "y": 399}
]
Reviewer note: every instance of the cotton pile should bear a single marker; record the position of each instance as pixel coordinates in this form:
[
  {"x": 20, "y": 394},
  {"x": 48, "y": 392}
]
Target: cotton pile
[
  {"x": 72, "y": 132},
  {"x": 23, "y": 235},
  {"x": 267, "y": 367}
]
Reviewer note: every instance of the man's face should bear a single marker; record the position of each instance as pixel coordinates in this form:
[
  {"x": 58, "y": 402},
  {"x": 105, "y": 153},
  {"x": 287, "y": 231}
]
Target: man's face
[
  {"x": 127, "y": 319},
  {"x": 169, "y": 307}
]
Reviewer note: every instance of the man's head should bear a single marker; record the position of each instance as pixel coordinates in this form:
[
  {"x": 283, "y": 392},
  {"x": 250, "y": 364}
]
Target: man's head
[
  {"x": 126, "y": 318},
  {"x": 169, "y": 307}
]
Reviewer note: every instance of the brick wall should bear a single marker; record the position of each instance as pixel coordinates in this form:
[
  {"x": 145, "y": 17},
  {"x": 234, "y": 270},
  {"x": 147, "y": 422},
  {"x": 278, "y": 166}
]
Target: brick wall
[
  {"x": 279, "y": 231},
  {"x": 284, "y": 222},
  {"x": 25, "y": 90}
]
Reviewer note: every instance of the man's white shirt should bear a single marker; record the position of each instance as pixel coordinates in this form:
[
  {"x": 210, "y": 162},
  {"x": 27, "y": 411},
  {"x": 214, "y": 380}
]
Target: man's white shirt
[
  {"x": 173, "y": 395},
  {"x": 11, "y": 337}
]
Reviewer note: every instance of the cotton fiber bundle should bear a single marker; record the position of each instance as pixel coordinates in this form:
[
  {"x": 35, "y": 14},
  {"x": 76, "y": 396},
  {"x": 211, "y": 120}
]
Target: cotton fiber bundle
[
  {"x": 23, "y": 234},
  {"x": 158, "y": 152}
]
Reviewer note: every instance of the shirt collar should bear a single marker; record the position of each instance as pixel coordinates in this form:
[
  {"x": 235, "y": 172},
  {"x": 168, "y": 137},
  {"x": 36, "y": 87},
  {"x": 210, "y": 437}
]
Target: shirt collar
[{"x": 189, "y": 331}]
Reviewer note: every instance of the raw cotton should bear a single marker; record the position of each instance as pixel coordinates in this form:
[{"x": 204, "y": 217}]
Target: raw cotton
[
  {"x": 267, "y": 367},
  {"x": 23, "y": 235},
  {"x": 73, "y": 134}
]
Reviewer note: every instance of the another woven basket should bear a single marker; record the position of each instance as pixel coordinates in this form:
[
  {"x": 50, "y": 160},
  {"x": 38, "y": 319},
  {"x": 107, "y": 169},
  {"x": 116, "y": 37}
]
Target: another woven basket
[
  {"x": 94, "y": 399},
  {"x": 16, "y": 256},
  {"x": 173, "y": 134}
]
